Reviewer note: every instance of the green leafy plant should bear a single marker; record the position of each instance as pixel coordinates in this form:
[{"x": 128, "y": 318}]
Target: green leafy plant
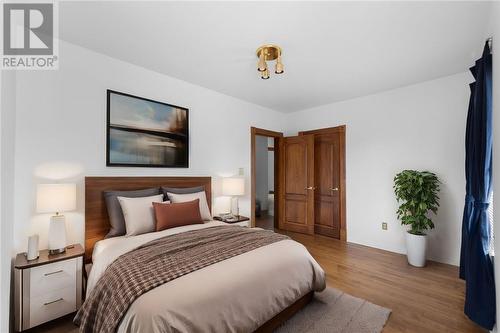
[{"x": 417, "y": 193}]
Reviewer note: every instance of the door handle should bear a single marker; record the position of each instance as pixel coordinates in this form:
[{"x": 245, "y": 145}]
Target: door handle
[
  {"x": 310, "y": 188},
  {"x": 334, "y": 189}
]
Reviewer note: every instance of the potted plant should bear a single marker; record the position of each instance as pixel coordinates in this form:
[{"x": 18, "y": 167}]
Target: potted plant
[{"x": 417, "y": 194}]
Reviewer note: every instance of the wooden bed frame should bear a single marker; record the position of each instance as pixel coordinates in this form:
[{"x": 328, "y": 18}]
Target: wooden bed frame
[{"x": 97, "y": 222}]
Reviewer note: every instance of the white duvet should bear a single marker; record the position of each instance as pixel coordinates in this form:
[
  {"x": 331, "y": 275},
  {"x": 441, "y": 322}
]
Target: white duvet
[{"x": 235, "y": 295}]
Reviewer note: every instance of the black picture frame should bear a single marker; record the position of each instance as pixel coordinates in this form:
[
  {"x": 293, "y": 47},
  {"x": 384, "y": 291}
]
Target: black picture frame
[{"x": 182, "y": 163}]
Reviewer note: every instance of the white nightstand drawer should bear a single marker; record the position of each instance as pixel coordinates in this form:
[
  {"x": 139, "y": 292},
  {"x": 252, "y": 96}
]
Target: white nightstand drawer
[
  {"x": 52, "y": 305},
  {"x": 50, "y": 277},
  {"x": 48, "y": 287}
]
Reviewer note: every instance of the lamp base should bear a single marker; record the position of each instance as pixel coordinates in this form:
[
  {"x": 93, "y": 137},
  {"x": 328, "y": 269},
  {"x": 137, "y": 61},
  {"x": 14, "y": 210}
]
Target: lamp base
[
  {"x": 235, "y": 208},
  {"x": 57, "y": 234}
]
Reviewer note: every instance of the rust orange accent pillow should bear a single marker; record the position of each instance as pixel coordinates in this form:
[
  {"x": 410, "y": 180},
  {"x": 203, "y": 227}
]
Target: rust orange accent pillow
[{"x": 177, "y": 214}]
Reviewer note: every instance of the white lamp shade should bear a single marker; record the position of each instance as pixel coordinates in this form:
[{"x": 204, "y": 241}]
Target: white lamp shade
[
  {"x": 55, "y": 198},
  {"x": 233, "y": 186}
]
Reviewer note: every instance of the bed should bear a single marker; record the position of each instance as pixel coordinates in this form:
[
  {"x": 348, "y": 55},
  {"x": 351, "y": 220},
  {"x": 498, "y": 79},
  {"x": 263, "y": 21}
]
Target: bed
[{"x": 253, "y": 291}]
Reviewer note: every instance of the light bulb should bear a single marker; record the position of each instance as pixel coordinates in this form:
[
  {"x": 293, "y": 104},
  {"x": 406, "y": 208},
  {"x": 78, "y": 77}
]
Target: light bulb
[
  {"x": 279, "y": 66},
  {"x": 265, "y": 75},
  {"x": 262, "y": 66}
]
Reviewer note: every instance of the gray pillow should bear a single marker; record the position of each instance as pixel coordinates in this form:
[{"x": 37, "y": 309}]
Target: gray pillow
[
  {"x": 181, "y": 190},
  {"x": 115, "y": 212}
]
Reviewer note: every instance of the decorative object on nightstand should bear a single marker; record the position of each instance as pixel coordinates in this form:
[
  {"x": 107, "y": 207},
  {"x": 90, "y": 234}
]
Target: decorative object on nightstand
[
  {"x": 56, "y": 198},
  {"x": 231, "y": 219},
  {"x": 234, "y": 187},
  {"x": 32, "y": 252},
  {"x": 48, "y": 287}
]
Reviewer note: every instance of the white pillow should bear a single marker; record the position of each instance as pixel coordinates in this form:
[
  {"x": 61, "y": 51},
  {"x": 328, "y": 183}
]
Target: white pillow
[
  {"x": 139, "y": 214},
  {"x": 204, "y": 211}
]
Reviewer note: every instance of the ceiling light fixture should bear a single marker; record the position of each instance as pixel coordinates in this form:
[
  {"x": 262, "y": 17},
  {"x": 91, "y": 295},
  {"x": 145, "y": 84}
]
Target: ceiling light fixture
[{"x": 269, "y": 52}]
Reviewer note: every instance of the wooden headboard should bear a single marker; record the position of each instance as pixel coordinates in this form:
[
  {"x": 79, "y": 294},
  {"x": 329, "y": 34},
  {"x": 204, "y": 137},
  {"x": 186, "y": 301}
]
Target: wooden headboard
[{"x": 96, "y": 215}]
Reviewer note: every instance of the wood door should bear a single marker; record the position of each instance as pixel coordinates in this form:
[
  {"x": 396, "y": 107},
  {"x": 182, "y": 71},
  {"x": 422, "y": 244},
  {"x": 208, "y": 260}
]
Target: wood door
[
  {"x": 327, "y": 199},
  {"x": 298, "y": 184}
]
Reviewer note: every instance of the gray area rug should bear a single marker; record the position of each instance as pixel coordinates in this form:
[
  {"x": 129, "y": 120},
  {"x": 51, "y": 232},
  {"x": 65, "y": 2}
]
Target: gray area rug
[
  {"x": 330, "y": 311},
  {"x": 335, "y": 311}
]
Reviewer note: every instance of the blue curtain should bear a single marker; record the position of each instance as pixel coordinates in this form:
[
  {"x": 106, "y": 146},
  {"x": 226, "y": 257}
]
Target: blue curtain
[{"x": 476, "y": 265}]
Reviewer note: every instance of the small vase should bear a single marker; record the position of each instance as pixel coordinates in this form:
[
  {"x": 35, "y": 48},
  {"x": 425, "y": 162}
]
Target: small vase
[{"x": 416, "y": 246}]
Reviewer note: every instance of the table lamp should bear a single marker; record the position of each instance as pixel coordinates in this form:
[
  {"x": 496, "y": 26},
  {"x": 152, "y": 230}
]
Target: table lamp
[
  {"x": 234, "y": 187},
  {"x": 56, "y": 198}
]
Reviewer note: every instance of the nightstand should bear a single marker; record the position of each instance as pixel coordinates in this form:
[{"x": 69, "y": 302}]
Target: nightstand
[
  {"x": 241, "y": 221},
  {"x": 48, "y": 287}
]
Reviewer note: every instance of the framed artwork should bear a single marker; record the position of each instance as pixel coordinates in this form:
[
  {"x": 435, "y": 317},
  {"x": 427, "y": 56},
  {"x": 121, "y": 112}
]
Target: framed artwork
[{"x": 146, "y": 133}]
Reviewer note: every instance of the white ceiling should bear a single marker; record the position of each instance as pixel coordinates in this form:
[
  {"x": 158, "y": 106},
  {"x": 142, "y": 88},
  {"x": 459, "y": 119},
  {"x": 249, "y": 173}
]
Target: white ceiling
[{"x": 332, "y": 51}]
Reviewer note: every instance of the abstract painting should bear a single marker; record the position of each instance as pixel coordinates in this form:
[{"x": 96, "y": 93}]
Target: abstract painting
[{"x": 145, "y": 133}]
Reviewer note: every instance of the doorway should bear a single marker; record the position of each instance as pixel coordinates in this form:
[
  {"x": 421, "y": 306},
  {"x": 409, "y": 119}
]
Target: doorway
[
  {"x": 309, "y": 194},
  {"x": 265, "y": 176},
  {"x": 329, "y": 181}
]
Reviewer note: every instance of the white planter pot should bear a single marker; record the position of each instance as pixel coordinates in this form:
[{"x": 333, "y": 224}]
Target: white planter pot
[{"x": 416, "y": 245}]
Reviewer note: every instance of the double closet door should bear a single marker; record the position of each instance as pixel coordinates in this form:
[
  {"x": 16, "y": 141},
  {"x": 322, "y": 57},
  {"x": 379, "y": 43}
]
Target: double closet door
[{"x": 313, "y": 176}]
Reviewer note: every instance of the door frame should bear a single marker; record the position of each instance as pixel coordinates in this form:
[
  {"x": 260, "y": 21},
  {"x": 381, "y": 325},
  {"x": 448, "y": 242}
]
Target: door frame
[
  {"x": 341, "y": 130},
  {"x": 254, "y": 131}
]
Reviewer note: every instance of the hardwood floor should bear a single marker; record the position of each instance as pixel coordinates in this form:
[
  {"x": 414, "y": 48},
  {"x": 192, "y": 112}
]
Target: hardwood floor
[
  {"x": 426, "y": 299},
  {"x": 422, "y": 300},
  {"x": 265, "y": 221}
]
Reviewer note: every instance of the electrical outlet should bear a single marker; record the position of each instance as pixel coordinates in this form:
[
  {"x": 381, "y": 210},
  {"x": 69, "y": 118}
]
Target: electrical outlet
[{"x": 384, "y": 225}]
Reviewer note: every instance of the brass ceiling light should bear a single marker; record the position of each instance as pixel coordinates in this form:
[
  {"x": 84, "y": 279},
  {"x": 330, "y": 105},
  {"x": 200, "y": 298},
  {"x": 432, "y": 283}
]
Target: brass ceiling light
[{"x": 269, "y": 52}]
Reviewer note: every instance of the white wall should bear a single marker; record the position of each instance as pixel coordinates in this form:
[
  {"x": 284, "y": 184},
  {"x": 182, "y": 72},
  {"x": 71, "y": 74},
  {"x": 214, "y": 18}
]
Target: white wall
[
  {"x": 494, "y": 32},
  {"x": 416, "y": 127},
  {"x": 261, "y": 166},
  {"x": 7, "y": 137},
  {"x": 60, "y": 135},
  {"x": 60, "y": 131}
]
